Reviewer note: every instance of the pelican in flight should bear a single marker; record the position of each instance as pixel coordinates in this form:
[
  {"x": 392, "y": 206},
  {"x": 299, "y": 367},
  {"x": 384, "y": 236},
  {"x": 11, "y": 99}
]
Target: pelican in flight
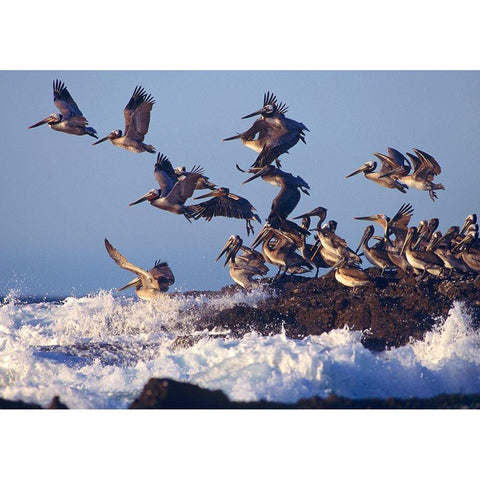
[
  {"x": 149, "y": 285},
  {"x": 70, "y": 119},
  {"x": 273, "y": 134},
  {"x": 383, "y": 176},
  {"x": 225, "y": 204},
  {"x": 173, "y": 193},
  {"x": 202, "y": 183},
  {"x": 137, "y": 120},
  {"x": 245, "y": 267}
]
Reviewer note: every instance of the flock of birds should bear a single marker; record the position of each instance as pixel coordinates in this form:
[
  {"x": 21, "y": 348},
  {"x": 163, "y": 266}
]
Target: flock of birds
[{"x": 421, "y": 249}]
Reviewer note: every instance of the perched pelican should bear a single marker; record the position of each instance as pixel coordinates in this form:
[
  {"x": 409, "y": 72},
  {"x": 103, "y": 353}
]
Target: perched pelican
[
  {"x": 376, "y": 255},
  {"x": 225, "y": 204},
  {"x": 288, "y": 197},
  {"x": 441, "y": 245},
  {"x": 148, "y": 285},
  {"x": 383, "y": 176},
  {"x": 319, "y": 212},
  {"x": 245, "y": 267},
  {"x": 137, "y": 120},
  {"x": 272, "y": 134},
  {"x": 421, "y": 260},
  {"x": 349, "y": 274},
  {"x": 173, "y": 193},
  {"x": 469, "y": 248},
  {"x": 278, "y": 248},
  {"x": 70, "y": 119}
]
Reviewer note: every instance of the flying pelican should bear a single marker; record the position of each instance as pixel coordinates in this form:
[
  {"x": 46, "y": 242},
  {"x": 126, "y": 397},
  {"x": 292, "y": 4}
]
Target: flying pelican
[
  {"x": 288, "y": 197},
  {"x": 420, "y": 260},
  {"x": 278, "y": 248},
  {"x": 202, "y": 183},
  {"x": 383, "y": 176},
  {"x": 275, "y": 133},
  {"x": 148, "y": 285},
  {"x": 137, "y": 120},
  {"x": 245, "y": 267},
  {"x": 225, "y": 204},
  {"x": 173, "y": 193},
  {"x": 70, "y": 119}
]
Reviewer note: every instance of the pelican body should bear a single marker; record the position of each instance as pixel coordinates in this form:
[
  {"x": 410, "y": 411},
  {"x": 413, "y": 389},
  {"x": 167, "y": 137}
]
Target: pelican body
[
  {"x": 245, "y": 267},
  {"x": 149, "y": 285},
  {"x": 376, "y": 255},
  {"x": 137, "y": 119},
  {"x": 173, "y": 193},
  {"x": 70, "y": 119},
  {"x": 273, "y": 134},
  {"x": 225, "y": 204}
]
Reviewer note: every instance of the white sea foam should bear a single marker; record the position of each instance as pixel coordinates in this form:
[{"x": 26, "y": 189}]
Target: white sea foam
[{"x": 99, "y": 351}]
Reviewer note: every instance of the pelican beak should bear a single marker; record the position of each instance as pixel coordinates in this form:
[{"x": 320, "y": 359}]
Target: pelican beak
[
  {"x": 253, "y": 177},
  {"x": 258, "y": 112},
  {"x": 41, "y": 122},
  {"x": 260, "y": 237},
  {"x": 143, "y": 198},
  {"x": 101, "y": 140},
  {"x": 136, "y": 281},
  {"x": 232, "y": 138},
  {"x": 206, "y": 195},
  {"x": 224, "y": 249},
  {"x": 359, "y": 170},
  {"x": 371, "y": 218},
  {"x": 407, "y": 239}
]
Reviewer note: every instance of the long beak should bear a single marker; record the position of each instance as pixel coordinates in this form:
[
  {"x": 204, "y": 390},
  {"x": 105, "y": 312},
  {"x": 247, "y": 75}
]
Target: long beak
[
  {"x": 225, "y": 249},
  {"x": 136, "y": 281},
  {"x": 258, "y": 112},
  {"x": 143, "y": 198},
  {"x": 359, "y": 170},
  {"x": 253, "y": 177},
  {"x": 41, "y": 122},
  {"x": 361, "y": 242},
  {"x": 206, "y": 195},
  {"x": 371, "y": 218},
  {"x": 407, "y": 240},
  {"x": 101, "y": 140},
  {"x": 232, "y": 138},
  {"x": 260, "y": 237}
]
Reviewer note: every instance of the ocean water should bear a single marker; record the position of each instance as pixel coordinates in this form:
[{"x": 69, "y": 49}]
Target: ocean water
[{"x": 98, "y": 351}]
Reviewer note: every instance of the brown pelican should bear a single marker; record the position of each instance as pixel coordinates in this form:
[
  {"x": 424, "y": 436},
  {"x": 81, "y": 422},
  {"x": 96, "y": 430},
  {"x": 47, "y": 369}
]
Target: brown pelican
[
  {"x": 383, "y": 176},
  {"x": 225, "y": 204},
  {"x": 70, "y": 119},
  {"x": 441, "y": 245},
  {"x": 398, "y": 226},
  {"x": 137, "y": 120},
  {"x": 425, "y": 231},
  {"x": 469, "y": 248},
  {"x": 275, "y": 134},
  {"x": 279, "y": 249},
  {"x": 349, "y": 274},
  {"x": 421, "y": 260},
  {"x": 245, "y": 267},
  {"x": 202, "y": 183},
  {"x": 148, "y": 284},
  {"x": 288, "y": 197},
  {"x": 173, "y": 193},
  {"x": 425, "y": 167},
  {"x": 376, "y": 255}
]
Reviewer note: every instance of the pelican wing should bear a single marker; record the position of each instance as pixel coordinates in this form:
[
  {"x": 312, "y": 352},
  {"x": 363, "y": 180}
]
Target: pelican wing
[
  {"x": 260, "y": 127},
  {"x": 387, "y": 164},
  {"x": 122, "y": 262},
  {"x": 65, "y": 103},
  {"x": 137, "y": 114},
  {"x": 163, "y": 274},
  {"x": 164, "y": 174},
  {"x": 403, "y": 216},
  {"x": 399, "y": 159},
  {"x": 429, "y": 160},
  {"x": 184, "y": 188},
  {"x": 231, "y": 206}
]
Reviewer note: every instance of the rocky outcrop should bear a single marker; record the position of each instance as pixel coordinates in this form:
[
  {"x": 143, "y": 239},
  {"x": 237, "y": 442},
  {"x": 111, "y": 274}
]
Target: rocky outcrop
[{"x": 389, "y": 312}]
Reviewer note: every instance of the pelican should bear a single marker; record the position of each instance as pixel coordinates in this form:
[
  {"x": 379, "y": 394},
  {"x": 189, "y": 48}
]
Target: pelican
[
  {"x": 245, "y": 267},
  {"x": 425, "y": 167},
  {"x": 173, "y": 193},
  {"x": 421, "y": 260},
  {"x": 469, "y": 249},
  {"x": 383, "y": 176},
  {"x": 376, "y": 255},
  {"x": 137, "y": 120},
  {"x": 225, "y": 204},
  {"x": 350, "y": 275},
  {"x": 275, "y": 134},
  {"x": 149, "y": 285},
  {"x": 202, "y": 183},
  {"x": 441, "y": 245},
  {"x": 279, "y": 249},
  {"x": 70, "y": 119},
  {"x": 288, "y": 197}
]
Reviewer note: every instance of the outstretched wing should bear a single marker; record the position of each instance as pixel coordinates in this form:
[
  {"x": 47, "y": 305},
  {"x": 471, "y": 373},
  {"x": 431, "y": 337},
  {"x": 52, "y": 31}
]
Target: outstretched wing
[
  {"x": 137, "y": 114},
  {"x": 65, "y": 103},
  {"x": 163, "y": 274},
  {"x": 231, "y": 206},
  {"x": 122, "y": 262},
  {"x": 164, "y": 174}
]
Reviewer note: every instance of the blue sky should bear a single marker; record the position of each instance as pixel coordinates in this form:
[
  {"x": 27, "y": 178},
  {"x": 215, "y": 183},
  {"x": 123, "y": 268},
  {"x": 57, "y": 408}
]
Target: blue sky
[{"x": 60, "y": 197}]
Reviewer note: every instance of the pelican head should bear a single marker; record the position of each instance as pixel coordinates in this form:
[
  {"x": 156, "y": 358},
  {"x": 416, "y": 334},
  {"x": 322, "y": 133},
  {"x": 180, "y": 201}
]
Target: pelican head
[
  {"x": 410, "y": 237},
  {"x": 151, "y": 195},
  {"x": 51, "y": 119},
  {"x": 231, "y": 248},
  {"x": 470, "y": 220},
  {"x": 320, "y": 212},
  {"x": 113, "y": 134},
  {"x": 270, "y": 107},
  {"x": 368, "y": 167},
  {"x": 258, "y": 172}
]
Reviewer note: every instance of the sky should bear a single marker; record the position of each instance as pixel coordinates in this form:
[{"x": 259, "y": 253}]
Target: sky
[{"x": 61, "y": 196}]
